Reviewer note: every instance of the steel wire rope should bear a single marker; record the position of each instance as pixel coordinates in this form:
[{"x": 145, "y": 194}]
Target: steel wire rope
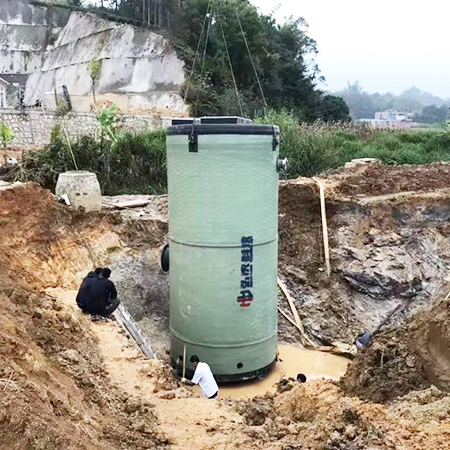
[
  {"x": 251, "y": 59},
  {"x": 197, "y": 50},
  {"x": 208, "y": 30},
  {"x": 231, "y": 66}
]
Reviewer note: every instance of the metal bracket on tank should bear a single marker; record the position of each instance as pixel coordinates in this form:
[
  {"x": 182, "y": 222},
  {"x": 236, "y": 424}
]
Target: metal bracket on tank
[
  {"x": 276, "y": 138},
  {"x": 193, "y": 140}
]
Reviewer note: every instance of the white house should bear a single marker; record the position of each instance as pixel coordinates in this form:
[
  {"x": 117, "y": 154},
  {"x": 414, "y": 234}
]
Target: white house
[{"x": 3, "y": 89}]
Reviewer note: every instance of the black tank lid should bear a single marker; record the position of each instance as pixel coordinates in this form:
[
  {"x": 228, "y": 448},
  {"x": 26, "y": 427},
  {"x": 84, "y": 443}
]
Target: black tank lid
[{"x": 222, "y": 129}]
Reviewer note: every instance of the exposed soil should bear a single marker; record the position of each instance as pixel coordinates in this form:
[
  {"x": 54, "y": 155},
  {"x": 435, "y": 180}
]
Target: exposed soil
[
  {"x": 385, "y": 249},
  {"x": 68, "y": 383},
  {"x": 316, "y": 415},
  {"x": 54, "y": 390},
  {"x": 408, "y": 358},
  {"x": 382, "y": 180}
]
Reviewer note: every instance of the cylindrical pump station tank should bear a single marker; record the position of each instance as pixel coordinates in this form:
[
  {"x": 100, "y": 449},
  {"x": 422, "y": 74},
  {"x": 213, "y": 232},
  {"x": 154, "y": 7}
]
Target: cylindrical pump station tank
[{"x": 223, "y": 234}]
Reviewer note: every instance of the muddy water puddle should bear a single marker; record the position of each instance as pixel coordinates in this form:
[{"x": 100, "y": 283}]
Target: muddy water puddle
[{"x": 292, "y": 360}]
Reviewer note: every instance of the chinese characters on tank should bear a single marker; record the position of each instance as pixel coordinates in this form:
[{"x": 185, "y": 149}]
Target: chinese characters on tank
[{"x": 245, "y": 298}]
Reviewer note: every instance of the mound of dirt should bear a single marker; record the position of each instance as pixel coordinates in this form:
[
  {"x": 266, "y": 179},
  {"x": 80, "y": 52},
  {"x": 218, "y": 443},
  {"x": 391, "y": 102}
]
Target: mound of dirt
[
  {"x": 388, "y": 369},
  {"x": 377, "y": 179},
  {"x": 55, "y": 392},
  {"x": 409, "y": 358},
  {"x": 317, "y": 415}
]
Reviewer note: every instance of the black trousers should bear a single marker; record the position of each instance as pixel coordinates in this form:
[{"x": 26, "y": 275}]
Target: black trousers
[
  {"x": 109, "y": 308},
  {"x": 213, "y": 396}
]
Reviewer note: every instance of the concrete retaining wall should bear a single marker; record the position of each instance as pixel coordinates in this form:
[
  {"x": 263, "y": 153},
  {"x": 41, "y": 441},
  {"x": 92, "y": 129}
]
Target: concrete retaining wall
[{"x": 35, "y": 127}]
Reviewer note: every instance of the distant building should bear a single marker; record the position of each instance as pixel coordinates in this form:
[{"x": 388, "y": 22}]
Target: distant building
[
  {"x": 392, "y": 120},
  {"x": 3, "y": 93}
]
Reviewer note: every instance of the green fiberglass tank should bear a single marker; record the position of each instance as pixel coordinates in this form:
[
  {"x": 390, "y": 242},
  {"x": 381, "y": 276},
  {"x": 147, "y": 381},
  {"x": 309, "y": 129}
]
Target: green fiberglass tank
[{"x": 223, "y": 234}]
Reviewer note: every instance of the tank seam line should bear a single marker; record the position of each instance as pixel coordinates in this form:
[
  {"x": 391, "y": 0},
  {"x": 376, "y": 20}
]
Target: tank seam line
[
  {"x": 221, "y": 246},
  {"x": 245, "y": 344}
]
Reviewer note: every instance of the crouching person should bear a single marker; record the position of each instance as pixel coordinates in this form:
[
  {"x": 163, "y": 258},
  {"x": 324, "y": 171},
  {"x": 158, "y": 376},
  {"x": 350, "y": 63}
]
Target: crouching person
[
  {"x": 84, "y": 291},
  {"x": 102, "y": 296},
  {"x": 203, "y": 377}
]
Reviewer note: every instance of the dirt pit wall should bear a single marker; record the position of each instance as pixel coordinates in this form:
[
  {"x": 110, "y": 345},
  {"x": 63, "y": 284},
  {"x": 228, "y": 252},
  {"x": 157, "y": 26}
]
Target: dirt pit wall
[
  {"x": 45, "y": 244},
  {"x": 387, "y": 250}
]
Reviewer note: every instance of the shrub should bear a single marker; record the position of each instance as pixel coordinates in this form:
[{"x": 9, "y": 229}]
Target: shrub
[
  {"x": 135, "y": 163},
  {"x": 6, "y": 134}
]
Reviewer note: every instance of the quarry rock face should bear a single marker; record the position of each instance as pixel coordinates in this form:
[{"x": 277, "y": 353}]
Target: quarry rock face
[
  {"x": 48, "y": 46},
  {"x": 26, "y": 32},
  {"x": 139, "y": 69}
]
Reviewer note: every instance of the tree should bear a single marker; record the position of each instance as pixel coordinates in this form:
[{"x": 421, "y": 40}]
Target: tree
[
  {"x": 361, "y": 104},
  {"x": 334, "y": 109},
  {"x": 278, "y": 53},
  {"x": 433, "y": 114},
  {"x": 94, "y": 69}
]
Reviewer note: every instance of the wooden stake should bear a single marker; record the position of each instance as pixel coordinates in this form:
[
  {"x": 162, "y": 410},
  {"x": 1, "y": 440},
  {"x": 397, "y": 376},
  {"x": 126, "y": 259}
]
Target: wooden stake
[
  {"x": 324, "y": 226},
  {"x": 184, "y": 361}
]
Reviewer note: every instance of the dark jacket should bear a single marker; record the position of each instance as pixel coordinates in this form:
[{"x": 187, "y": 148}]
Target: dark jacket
[
  {"x": 101, "y": 292},
  {"x": 83, "y": 293}
]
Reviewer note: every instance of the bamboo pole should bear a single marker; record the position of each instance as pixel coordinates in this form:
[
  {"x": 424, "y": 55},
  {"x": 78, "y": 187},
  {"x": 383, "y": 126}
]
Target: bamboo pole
[
  {"x": 289, "y": 319},
  {"x": 326, "y": 247},
  {"x": 304, "y": 339}
]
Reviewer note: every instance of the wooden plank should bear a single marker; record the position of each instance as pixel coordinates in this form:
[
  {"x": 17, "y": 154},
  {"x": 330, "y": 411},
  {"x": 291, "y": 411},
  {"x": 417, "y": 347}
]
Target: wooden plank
[
  {"x": 288, "y": 319},
  {"x": 184, "y": 361},
  {"x": 337, "y": 349},
  {"x": 130, "y": 204}
]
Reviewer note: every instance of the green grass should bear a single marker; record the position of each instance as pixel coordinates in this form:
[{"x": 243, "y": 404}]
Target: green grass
[
  {"x": 315, "y": 148},
  {"x": 137, "y": 163}
]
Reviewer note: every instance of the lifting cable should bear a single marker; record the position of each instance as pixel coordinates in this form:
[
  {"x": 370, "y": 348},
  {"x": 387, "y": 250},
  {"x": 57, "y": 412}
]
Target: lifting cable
[
  {"x": 197, "y": 50},
  {"x": 231, "y": 67},
  {"x": 251, "y": 59},
  {"x": 208, "y": 30}
]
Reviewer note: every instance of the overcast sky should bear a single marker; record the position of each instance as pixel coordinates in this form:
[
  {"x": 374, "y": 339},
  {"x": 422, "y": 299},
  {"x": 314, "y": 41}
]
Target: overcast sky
[{"x": 388, "y": 45}]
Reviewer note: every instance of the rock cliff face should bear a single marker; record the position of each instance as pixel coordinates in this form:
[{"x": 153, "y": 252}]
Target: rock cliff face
[
  {"x": 139, "y": 70},
  {"x": 49, "y": 46},
  {"x": 26, "y": 32}
]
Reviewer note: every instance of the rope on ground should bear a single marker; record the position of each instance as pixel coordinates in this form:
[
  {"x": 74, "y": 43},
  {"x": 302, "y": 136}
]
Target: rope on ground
[
  {"x": 197, "y": 50},
  {"x": 251, "y": 59},
  {"x": 231, "y": 67}
]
